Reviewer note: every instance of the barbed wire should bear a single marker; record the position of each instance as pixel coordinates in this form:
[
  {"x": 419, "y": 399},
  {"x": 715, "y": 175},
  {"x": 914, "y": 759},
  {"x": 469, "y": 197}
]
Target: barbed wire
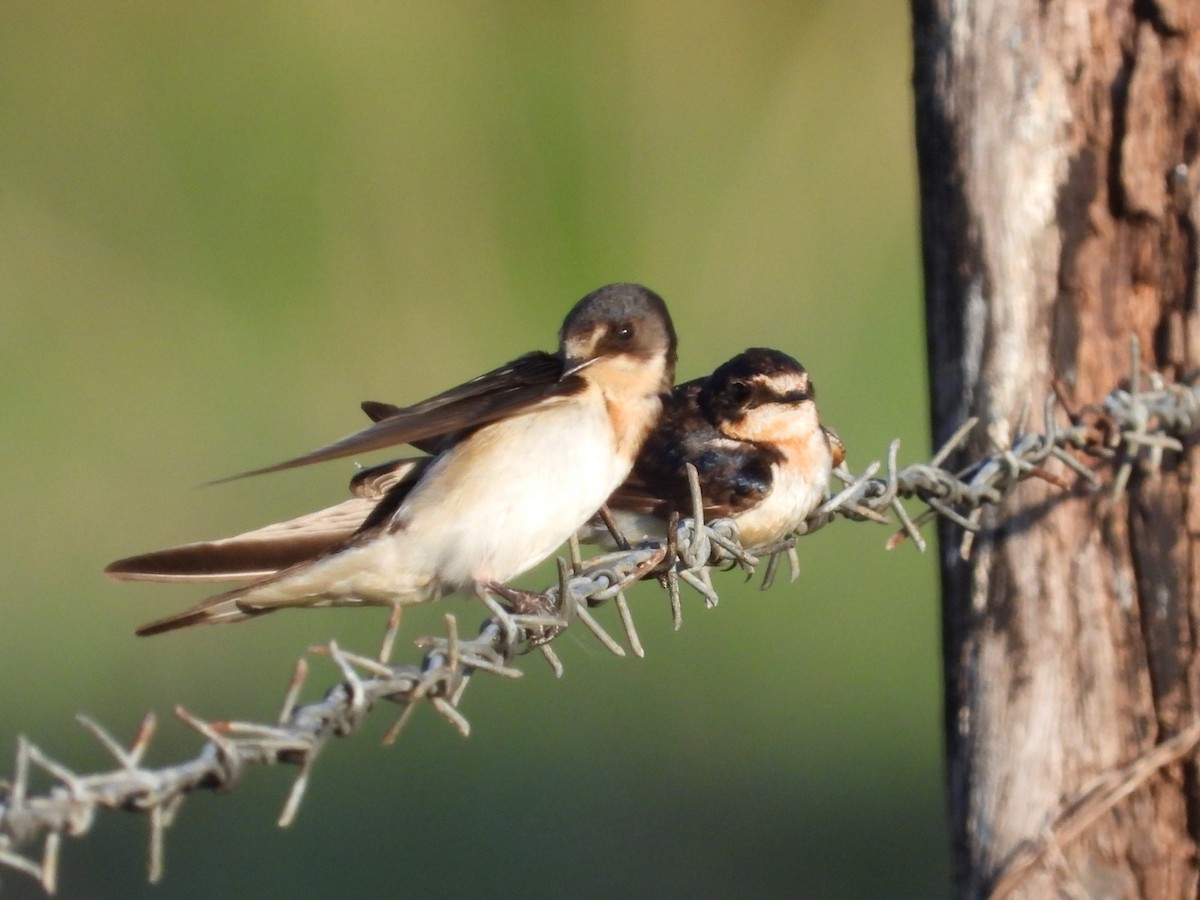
[{"x": 1132, "y": 427}]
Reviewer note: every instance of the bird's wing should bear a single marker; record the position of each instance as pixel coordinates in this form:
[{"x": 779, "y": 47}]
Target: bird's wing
[
  {"x": 502, "y": 392},
  {"x": 734, "y": 475},
  {"x": 241, "y": 603},
  {"x": 267, "y": 550},
  {"x": 375, "y": 481},
  {"x": 377, "y": 411},
  {"x": 252, "y": 554}
]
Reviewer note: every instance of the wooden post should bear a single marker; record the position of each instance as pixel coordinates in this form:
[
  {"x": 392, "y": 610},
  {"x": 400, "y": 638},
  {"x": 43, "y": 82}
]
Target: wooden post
[{"x": 1058, "y": 147}]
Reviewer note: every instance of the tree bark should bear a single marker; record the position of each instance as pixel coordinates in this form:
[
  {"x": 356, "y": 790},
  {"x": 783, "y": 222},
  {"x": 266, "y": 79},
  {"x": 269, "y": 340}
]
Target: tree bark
[{"x": 1060, "y": 196}]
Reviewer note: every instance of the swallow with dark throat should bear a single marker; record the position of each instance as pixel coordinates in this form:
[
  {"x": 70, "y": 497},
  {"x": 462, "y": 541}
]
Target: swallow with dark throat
[{"x": 752, "y": 431}]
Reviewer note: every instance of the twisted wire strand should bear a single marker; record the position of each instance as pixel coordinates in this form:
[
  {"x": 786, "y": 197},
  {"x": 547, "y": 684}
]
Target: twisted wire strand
[{"x": 1132, "y": 427}]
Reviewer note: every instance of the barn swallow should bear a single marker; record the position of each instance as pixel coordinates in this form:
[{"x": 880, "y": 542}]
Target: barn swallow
[
  {"x": 523, "y": 456},
  {"x": 752, "y": 431}
]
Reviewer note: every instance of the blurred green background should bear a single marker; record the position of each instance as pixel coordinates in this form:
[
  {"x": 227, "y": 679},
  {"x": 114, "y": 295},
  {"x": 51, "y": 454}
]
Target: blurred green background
[{"x": 222, "y": 227}]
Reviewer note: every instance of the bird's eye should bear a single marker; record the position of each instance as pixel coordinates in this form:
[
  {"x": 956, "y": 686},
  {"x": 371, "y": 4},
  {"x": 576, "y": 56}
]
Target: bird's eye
[
  {"x": 623, "y": 332},
  {"x": 739, "y": 391}
]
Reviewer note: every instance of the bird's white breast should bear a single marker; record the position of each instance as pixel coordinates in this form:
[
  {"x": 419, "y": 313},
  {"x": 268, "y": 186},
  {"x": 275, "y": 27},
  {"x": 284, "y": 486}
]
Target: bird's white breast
[
  {"x": 506, "y": 498},
  {"x": 487, "y": 510}
]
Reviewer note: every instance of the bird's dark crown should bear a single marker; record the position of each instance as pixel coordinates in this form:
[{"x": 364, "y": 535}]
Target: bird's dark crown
[
  {"x": 754, "y": 377},
  {"x": 622, "y": 318}
]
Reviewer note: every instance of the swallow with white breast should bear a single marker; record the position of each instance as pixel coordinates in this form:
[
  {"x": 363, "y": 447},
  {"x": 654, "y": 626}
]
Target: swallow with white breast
[
  {"x": 523, "y": 456},
  {"x": 752, "y": 431}
]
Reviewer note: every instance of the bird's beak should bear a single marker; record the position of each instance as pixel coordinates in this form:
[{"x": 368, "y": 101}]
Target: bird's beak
[{"x": 571, "y": 365}]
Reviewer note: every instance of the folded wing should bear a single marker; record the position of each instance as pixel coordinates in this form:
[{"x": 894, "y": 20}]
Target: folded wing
[
  {"x": 457, "y": 412},
  {"x": 265, "y": 551}
]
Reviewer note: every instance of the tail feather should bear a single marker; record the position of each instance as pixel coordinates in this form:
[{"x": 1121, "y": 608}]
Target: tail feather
[
  {"x": 238, "y": 604},
  {"x": 345, "y": 576},
  {"x": 213, "y": 611}
]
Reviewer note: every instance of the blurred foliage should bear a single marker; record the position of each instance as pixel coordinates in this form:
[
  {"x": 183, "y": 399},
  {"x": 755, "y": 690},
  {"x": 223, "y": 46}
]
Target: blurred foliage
[{"x": 223, "y": 225}]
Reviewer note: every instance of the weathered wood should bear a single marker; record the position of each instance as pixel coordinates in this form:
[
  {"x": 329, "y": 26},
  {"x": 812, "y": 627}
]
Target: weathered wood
[{"x": 1058, "y": 147}]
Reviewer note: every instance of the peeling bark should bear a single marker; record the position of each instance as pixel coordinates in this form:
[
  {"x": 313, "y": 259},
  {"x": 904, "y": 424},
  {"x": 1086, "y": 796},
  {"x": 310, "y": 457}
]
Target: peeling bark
[{"x": 1058, "y": 146}]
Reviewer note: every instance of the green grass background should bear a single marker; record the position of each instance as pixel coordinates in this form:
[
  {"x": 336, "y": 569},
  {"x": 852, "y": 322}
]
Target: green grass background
[{"x": 223, "y": 225}]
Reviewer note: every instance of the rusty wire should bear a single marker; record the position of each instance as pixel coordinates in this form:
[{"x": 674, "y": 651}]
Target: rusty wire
[{"x": 1134, "y": 426}]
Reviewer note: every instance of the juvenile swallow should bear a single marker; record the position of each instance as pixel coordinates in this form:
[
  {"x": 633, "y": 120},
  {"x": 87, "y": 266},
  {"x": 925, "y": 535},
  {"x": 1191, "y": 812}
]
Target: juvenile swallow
[
  {"x": 523, "y": 456},
  {"x": 752, "y": 431}
]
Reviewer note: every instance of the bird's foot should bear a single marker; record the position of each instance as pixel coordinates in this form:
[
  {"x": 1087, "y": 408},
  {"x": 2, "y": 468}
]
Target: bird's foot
[{"x": 534, "y": 613}]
